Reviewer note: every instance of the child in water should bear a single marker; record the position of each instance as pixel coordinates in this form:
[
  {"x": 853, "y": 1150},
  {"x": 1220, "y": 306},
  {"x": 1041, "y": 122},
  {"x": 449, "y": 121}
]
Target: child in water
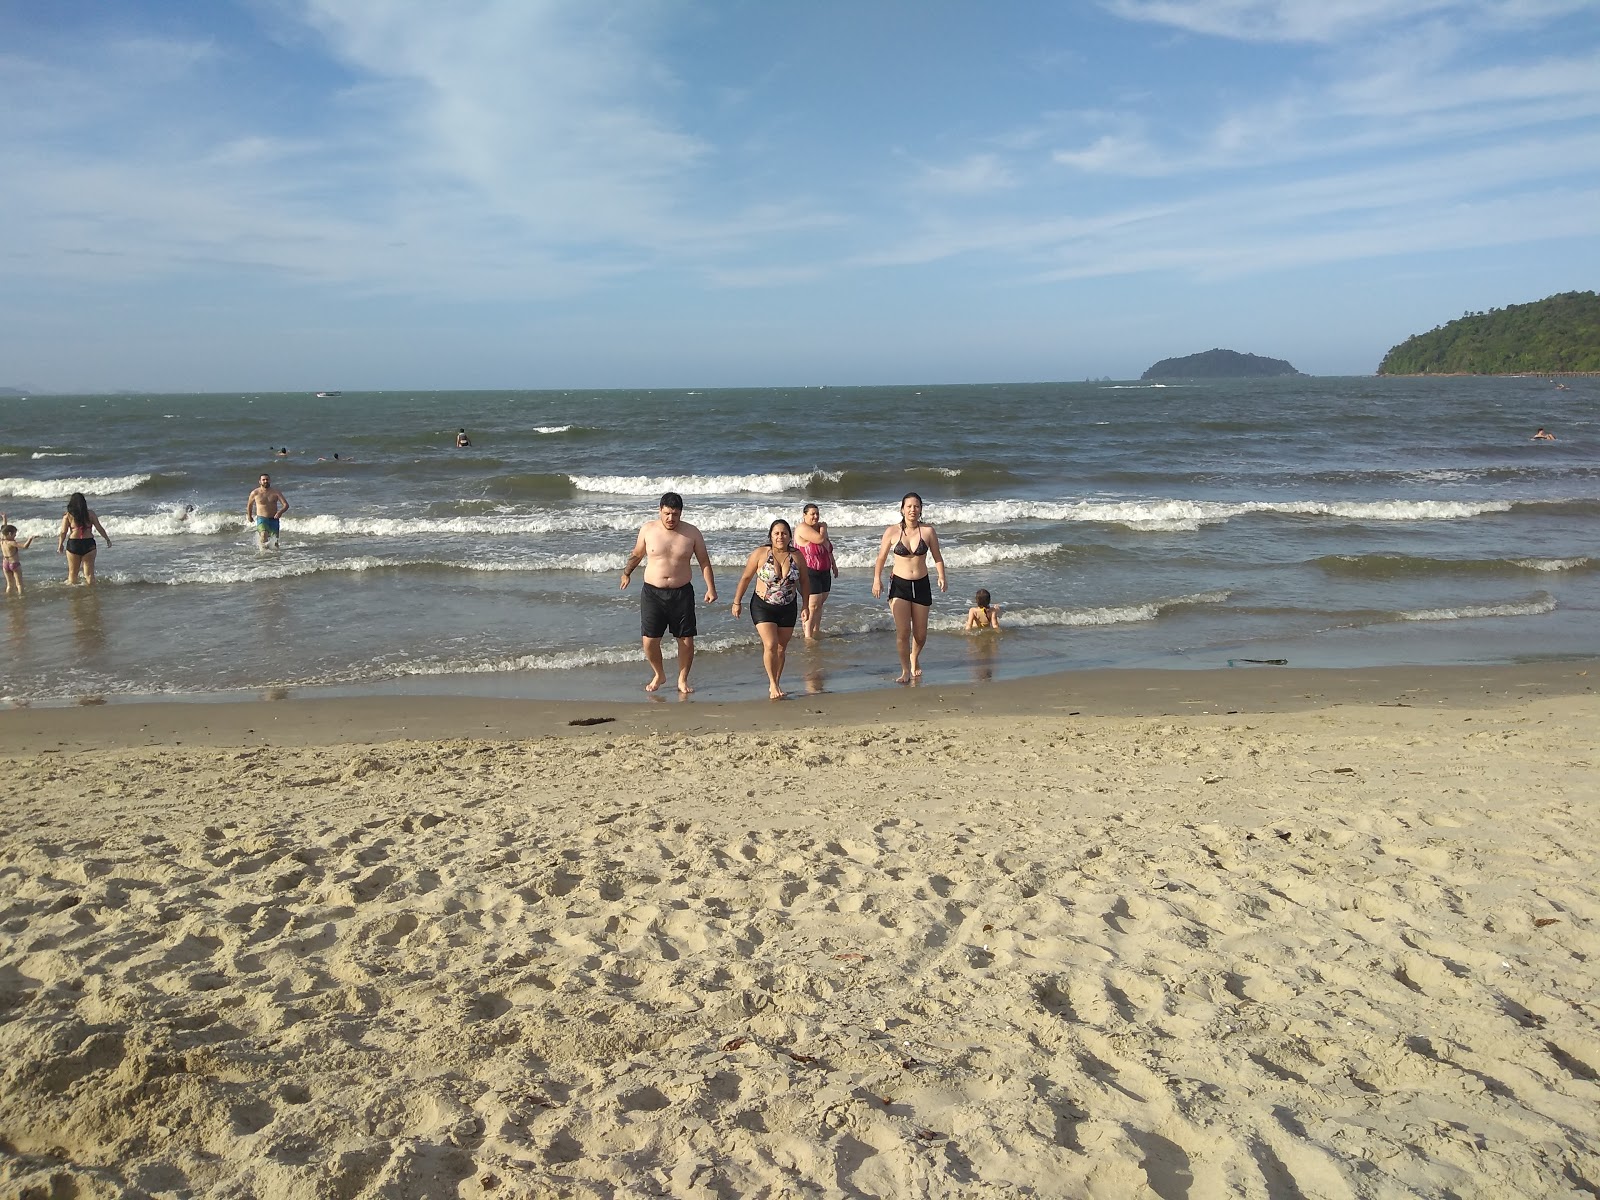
[
  {"x": 11, "y": 555},
  {"x": 983, "y": 614}
]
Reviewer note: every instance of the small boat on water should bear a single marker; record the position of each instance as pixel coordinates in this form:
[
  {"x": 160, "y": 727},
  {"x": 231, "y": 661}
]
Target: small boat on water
[{"x": 328, "y": 395}]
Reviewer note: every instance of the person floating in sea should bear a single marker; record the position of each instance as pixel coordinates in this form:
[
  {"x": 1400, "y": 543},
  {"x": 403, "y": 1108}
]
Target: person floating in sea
[
  {"x": 265, "y": 506},
  {"x": 1542, "y": 436},
  {"x": 283, "y": 452},
  {"x": 668, "y": 600},
  {"x": 462, "y": 440},
  {"x": 910, "y": 594},
  {"x": 11, "y": 556}
]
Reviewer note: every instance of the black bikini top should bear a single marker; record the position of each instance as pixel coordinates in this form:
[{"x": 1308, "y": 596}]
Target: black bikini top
[{"x": 901, "y": 550}]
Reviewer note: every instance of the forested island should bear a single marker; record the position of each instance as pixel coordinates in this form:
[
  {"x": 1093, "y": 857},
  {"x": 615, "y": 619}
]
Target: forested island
[
  {"x": 1219, "y": 364},
  {"x": 1558, "y": 334}
]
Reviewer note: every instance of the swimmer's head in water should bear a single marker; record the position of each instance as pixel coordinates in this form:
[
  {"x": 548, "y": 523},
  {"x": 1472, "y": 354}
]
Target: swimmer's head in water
[{"x": 982, "y": 598}]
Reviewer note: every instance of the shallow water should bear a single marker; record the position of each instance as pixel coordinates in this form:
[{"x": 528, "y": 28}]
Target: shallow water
[{"x": 1326, "y": 521}]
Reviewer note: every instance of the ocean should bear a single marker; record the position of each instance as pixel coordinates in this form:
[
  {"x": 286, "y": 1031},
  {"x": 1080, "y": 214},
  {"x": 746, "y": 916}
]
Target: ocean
[{"x": 1322, "y": 521}]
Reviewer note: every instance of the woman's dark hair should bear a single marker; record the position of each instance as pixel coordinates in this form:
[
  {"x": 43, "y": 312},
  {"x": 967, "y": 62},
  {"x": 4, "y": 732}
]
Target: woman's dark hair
[
  {"x": 903, "y": 499},
  {"x": 810, "y": 506},
  {"x": 780, "y": 521},
  {"x": 982, "y": 597},
  {"x": 78, "y": 509}
]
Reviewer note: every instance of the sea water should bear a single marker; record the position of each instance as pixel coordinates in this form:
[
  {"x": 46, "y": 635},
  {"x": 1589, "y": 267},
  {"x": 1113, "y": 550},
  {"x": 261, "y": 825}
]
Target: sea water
[{"x": 1349, "y": 521}]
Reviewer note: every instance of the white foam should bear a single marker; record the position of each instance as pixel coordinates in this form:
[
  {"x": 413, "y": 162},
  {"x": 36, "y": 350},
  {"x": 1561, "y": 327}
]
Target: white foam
[
  {"x": 700, "y": 485},
  {"x": 551, "y": 428},
  {"x": 566, "y": 660},
  {"x": 52, "y": 454},
  {"x": 1527, "y": 608},
  {"x": 1552, "y": 564},
  {"x": 53, "y": 489},
  {"x": 1124, "y": 614}
]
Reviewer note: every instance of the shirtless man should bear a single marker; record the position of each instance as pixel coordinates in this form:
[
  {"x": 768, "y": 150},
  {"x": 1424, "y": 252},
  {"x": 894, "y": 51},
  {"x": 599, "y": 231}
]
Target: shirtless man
[
  {"x": 265, "y": 506},
  {"x": 668, "y": 601}
]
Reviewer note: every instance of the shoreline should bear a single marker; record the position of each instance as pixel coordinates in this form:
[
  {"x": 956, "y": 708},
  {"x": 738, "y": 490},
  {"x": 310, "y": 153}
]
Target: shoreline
[{"x": 1127, "y": 692}]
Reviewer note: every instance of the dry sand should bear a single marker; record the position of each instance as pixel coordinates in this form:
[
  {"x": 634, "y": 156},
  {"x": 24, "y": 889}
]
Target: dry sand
[{"x": 1342, "y": 941}]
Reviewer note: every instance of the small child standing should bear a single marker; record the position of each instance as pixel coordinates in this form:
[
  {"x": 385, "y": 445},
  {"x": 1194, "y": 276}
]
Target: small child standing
[
  {"x": 983, "y": 614},
  {"x": 11, "y": 555}
]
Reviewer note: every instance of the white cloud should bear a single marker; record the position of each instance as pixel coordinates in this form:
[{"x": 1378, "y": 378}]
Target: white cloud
[
  {"x": 1458, "y": 201},
  {"x": 974, "y": 175},
  {"x": 1325, "y": 21}
]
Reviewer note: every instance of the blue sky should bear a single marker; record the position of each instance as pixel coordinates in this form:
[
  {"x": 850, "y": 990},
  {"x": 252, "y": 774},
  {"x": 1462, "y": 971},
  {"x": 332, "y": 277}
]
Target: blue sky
[{"x": 205, "y": 195}]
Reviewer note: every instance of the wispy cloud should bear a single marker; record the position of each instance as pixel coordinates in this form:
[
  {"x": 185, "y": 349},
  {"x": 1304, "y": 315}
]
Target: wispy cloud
[
  {"x": 1459, "y": 201},
  {"x": 974, "y": 175},
  {"x": 1327, "y": 21}
]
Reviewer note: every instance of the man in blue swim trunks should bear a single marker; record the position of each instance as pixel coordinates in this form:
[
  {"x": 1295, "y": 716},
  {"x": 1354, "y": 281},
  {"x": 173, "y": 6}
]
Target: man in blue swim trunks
[
  {"x": 668, "y": 601},
  {"x": 265, "y": 506}
]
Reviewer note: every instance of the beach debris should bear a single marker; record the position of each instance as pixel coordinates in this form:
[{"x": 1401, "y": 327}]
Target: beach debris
[
  {"x": 1282, "y": 834},
  {"x": 1344, "y": 770},
  {"x": 590, "y": 720},
  {"x": 736, "y": 1043},
  {"x": 1261, "y": 662},
  {"x": 930, "y": 1135},
  {"x": 853, "y": 956},
  {"x": 1541, "y": 922},
  {"x": 801, "y": 1058}
]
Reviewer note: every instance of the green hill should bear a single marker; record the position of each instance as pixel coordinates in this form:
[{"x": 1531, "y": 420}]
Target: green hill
[
  {"x": 1219, "y": 364},
  {"x": 1561, "y": 333}
]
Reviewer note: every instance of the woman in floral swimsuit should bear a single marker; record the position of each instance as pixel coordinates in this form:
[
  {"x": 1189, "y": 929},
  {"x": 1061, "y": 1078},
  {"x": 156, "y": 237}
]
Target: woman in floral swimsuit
[{"x": 782, "y": 593}]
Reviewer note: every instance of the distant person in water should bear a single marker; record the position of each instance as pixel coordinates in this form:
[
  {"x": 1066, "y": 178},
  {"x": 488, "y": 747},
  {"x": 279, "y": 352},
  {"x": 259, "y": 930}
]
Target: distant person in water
[
  {"x": 668, "y": 600},
  {"x": 265, "y": 506},
  {"x": 284, "y": 452},
  {"x": 76, "y": 538},
  {"x": 983, "y": 614},
  {"x": 462, "y": 440},
  {"x": 1542, "y": 436}
]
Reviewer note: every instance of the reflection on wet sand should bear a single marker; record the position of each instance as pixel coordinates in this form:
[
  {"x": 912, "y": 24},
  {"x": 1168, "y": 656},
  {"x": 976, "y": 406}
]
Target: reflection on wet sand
[
  {"x": 88, "y": 634},
  {"x": 983, "y": 651}
]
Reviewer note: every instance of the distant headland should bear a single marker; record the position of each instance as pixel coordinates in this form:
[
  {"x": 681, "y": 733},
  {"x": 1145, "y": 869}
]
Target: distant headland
[
  {"x": 1557, "y": 335},
  {"x": 1219, "y": 364}
]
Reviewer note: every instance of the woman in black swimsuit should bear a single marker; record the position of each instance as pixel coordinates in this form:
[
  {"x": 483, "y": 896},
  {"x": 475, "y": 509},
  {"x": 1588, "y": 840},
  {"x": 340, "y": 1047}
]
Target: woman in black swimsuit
[
  {"x": 911, "y": 544},
  {"x": 76, "y": 538}
]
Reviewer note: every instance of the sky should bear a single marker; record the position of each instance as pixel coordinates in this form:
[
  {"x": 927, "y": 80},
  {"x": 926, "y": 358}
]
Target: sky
[{"x": 223, "y": 195}]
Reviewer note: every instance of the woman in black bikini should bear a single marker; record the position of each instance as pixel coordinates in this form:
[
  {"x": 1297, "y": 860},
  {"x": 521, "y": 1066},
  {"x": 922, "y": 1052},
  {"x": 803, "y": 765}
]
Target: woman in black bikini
[
  {"x": 782, "y": 594},
  {"x": 911, "y": 543},
  {"x": 76, "y": 538}
]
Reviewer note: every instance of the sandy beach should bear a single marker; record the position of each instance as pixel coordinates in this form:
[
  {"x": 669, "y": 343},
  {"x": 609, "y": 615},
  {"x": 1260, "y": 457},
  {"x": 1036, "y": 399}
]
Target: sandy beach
[{"x": 1260, "y": 933}]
